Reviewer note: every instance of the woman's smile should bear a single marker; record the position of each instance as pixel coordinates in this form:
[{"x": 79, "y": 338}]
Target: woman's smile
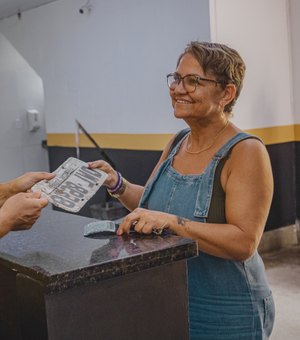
[{"x": 182, "y": 101}]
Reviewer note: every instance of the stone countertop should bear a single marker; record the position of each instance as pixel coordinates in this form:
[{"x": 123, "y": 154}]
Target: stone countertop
[{"x": 55, "y": 253}]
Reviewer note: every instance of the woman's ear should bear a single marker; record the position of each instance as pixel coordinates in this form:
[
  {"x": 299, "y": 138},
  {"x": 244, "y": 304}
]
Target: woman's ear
[{"x": 228, "y": 94}]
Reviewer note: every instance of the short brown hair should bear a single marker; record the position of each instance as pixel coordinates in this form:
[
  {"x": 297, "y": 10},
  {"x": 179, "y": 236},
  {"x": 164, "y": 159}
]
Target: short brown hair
[{"x": 222, "y": 61}]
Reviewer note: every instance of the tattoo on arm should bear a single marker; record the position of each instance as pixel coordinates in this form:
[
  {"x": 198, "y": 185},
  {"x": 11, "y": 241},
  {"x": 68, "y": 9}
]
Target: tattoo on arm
[{"x": 182, "y": 220}]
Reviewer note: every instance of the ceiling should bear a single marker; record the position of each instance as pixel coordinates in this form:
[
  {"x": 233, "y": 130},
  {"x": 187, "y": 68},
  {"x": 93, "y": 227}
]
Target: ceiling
[{"x": 12, "y": 7}]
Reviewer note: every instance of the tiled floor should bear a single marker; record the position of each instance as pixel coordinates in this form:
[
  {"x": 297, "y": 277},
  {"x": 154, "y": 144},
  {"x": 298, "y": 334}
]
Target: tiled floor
[{"x": 283, "y": 271}]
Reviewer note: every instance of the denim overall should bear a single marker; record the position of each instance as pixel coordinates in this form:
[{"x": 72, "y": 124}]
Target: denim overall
[{"x": 228, "y": 299}]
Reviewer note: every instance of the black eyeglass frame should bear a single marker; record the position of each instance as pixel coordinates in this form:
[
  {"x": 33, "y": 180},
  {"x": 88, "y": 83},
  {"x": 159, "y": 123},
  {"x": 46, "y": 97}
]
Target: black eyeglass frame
[{"x": 198, "y": 79}]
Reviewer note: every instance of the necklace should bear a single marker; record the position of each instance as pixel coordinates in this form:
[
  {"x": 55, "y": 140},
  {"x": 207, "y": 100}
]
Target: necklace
[{"x": 208, "y": 147}]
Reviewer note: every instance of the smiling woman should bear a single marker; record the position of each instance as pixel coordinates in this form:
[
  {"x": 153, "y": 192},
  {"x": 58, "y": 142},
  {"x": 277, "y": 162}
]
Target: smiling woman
[{"x": 200, "y": 189}]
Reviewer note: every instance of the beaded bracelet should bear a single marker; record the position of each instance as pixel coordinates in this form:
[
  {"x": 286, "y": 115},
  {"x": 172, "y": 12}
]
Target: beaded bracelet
[
  {"x": 119, "y": 188},
  {"x": 114, "y": 189}
]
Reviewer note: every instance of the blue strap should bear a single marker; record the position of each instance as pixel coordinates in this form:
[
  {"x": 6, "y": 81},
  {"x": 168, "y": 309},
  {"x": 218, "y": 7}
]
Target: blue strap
[{"x": 206, "y": 185}]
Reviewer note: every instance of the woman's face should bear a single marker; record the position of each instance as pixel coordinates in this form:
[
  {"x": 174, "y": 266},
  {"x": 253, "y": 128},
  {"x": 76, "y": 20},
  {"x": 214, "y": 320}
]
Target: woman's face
[{"x": 204, "y": 102}]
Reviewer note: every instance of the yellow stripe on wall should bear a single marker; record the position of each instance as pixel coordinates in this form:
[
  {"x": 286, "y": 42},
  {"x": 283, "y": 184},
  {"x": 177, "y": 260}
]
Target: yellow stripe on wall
[
  {"x": 277, "y": 134},
  {"x": 157, "y": 142},
  {"x": 112, "y": 140}
]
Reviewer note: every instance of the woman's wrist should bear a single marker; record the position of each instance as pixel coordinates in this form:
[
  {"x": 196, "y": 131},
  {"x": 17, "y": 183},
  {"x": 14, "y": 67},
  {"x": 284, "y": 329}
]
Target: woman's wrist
[
  {"x": 117, "y": 184},
  {"x": 119, "y": 187},
  {"x": 112, "y": 180}
]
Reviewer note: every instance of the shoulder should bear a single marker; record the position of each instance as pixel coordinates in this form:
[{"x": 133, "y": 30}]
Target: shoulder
[
  {"x": 239, "y": 142},
  {"x": 249, "y": 155},
  {"x": 249, "y": 146},
  {"x": 248, "y": 170}
]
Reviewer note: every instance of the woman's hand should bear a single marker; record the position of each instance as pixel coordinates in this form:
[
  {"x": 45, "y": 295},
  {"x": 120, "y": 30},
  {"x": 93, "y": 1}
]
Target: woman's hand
[
  {"x": 145, "y": 221},
  {"x": 112, "y": 178},
  {"x": 132, "y": 194}
]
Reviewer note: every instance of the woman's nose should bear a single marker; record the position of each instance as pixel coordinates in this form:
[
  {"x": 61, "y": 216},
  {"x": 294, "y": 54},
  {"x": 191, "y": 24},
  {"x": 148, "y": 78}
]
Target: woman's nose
[{"x": 179, "y": 87}]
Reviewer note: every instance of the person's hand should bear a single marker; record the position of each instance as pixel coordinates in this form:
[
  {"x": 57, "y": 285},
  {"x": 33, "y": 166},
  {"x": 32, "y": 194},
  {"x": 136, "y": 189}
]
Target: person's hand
[
  {"x": 112, "y": 178},
  {"x": 26, "y": 181},
  {"x": 21, "y": 211},
  {"x": 145, "y": 221}
]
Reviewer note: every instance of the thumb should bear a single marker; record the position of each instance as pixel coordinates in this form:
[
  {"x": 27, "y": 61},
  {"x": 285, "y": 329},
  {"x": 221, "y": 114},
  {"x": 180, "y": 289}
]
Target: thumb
[
  {"x": 36, "y": 194},
  {"x": 43, "y": 201}
]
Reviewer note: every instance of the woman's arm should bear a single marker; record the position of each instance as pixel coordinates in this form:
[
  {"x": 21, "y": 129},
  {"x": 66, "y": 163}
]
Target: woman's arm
[{"x": 248, "y": 183}]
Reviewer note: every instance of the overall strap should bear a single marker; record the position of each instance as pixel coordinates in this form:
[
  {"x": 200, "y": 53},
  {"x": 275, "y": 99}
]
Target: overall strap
[
  {"x": 178, "y": 137},
  {"x": 204, "y": 195},
  {"x": 232, "y": 142},
  {"x": 175, "y": 144}
]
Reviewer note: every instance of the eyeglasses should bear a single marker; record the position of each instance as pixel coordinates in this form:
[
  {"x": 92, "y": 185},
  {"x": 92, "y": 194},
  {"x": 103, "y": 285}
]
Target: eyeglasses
[{"x": 190, "y": 81}]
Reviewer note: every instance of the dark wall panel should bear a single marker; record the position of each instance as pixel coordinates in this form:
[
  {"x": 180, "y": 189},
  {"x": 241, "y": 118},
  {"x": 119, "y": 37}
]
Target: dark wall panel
[
  {"x": 283, "y": 208},
  {"x": 297, "y": 175}
]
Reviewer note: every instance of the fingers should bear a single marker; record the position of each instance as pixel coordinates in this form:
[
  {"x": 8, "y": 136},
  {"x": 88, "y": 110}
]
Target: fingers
[
  {"x": 46, "y": 175},
  {"x": 102, "y": 165},
  {"x": 144, "y": 222},
  {"x": 112, "y": 178},
  {"x": 26, "y": 181},
  {"x": 34, "y": 199},
  {"x": 130, "y": 220},
  {"x": 98, "y": 164},
  {"x": 43, "y": 201},
  {"x": 94, "y": 164},
  {"x": 143, "y": 228},
  {"x": 35, "y": 194},
  {"x": 34, "y": 177}
]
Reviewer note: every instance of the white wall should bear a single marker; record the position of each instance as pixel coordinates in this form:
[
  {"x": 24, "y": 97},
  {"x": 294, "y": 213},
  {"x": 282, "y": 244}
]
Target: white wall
[
  {"x": 108, "y": 68},
  {"x": 295, "y": 49},
  {"x": 20, "y": 89},
  {"x": 259, "y": 30}
]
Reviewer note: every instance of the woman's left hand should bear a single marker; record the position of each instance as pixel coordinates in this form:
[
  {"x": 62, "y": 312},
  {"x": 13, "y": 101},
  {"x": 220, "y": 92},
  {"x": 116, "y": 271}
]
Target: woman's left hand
[{"x": 145, "y": 221}]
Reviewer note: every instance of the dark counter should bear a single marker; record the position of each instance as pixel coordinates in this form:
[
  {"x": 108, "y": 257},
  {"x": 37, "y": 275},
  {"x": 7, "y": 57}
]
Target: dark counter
[
  {"x": 56, "y": 253},
  {"x": 48, "y": 270}
]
